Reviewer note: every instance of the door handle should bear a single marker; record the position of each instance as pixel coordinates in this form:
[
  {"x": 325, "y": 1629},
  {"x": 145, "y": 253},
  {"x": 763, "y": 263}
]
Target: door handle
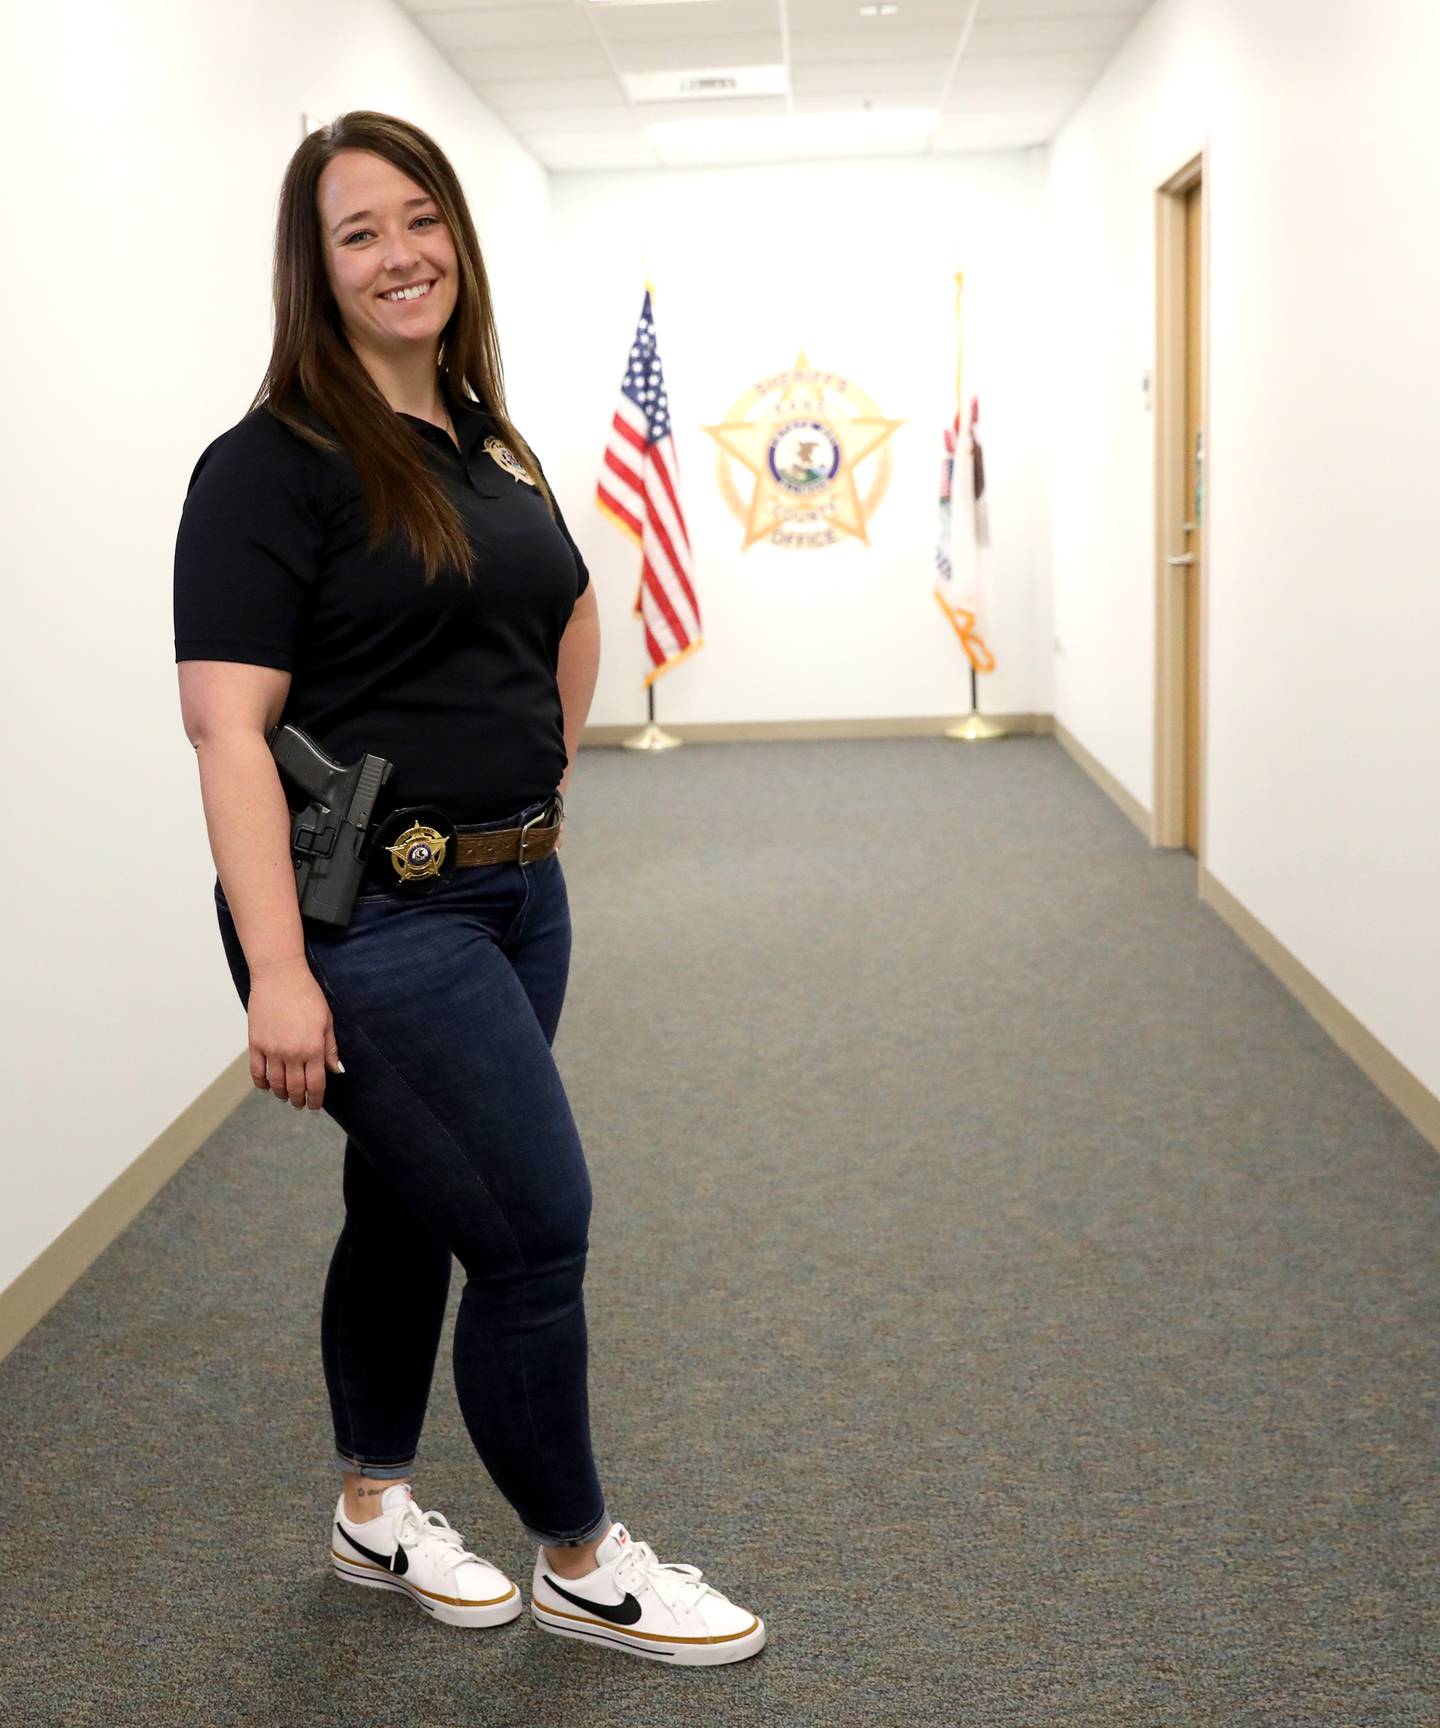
[{"x": 1184, "y": 558}]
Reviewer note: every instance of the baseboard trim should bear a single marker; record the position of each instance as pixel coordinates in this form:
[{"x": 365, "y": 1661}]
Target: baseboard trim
[
  {"x": 25, "y": 1302},
  {"x": 767, "y": 731},
  {"x": 1105, "y": 780},
  {"x": 1406, "y": 1091}
]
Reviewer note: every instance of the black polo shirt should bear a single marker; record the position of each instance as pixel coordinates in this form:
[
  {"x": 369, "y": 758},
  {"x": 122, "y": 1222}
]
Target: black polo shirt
[{"x": 454, "y": 683}]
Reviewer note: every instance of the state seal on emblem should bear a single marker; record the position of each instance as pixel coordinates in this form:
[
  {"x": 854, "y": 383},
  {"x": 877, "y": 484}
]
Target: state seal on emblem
[
  {"x": 804, "y": 456},
  {"x": 801, "y": 439}
]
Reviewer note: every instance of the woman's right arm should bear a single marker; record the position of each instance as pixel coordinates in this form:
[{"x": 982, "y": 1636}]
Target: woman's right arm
[{"x": 228, "y": 710}]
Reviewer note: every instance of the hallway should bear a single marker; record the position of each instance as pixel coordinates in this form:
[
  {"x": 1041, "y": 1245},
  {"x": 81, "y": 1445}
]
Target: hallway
[{"x": 997, "y": 1281}]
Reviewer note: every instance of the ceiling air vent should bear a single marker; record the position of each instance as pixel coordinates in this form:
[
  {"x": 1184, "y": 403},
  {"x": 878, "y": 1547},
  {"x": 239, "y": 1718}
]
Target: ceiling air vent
[{"x": 705, "y": 83}]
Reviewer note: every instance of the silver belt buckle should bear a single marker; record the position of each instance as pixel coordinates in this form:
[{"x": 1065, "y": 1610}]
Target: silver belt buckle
[{"x": 538, "y": 817}]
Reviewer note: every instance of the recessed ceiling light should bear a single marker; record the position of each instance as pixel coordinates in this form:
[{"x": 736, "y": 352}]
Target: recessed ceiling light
[{"x": 884, "y": 10}]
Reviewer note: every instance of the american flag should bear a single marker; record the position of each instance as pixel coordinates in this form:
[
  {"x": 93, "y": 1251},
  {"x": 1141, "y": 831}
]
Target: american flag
[{"x": 639, "y": 490}]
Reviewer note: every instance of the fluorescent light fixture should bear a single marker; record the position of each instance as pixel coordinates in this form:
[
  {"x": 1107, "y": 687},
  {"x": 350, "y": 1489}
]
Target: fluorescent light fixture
[
  {"x": 705, "y": 83},
  {"x": 886, "y": 9},
  {"x": 895, "y": 131}
]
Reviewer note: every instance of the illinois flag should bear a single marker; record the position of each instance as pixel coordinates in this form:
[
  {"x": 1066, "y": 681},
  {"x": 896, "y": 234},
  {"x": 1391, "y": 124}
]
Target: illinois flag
[
  {"x": 639, "y": 490},
  {"x": 958, "y": 598}
]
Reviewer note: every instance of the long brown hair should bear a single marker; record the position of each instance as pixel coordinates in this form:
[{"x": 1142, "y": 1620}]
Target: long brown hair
[{"x": 313, "y": 367}]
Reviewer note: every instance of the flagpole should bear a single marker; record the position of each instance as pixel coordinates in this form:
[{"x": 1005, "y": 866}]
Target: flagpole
[
  {"x": 959, "y": 350},
  {"x": 650, "y": 737},
  {"x": 974, "y": 728}
]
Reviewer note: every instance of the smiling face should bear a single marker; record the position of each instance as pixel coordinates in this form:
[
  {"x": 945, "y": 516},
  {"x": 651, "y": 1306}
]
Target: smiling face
[{"x": 388, "y": 254}]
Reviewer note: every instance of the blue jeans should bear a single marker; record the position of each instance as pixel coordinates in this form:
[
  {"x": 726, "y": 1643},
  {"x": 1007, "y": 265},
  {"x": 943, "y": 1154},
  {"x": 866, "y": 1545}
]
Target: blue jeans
[{"x": 459, "y": 1142}]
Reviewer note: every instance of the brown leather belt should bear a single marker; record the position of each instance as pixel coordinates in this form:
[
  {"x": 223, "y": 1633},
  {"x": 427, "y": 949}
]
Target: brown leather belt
[
  {"x": 525, "y": 845},
  {"x": 418, "y": 847}
]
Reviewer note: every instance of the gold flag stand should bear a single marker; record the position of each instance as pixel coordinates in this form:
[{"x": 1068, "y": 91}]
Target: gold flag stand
[
  {"x": 651, "y": 737},
  {"x": 975, "y": 729}
]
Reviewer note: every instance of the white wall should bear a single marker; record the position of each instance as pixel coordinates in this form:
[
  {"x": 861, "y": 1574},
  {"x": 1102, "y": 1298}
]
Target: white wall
[
  {"x": 143, "y": 148},
  {"x": 854, "y": 263},
  {"x": 1324, "y": 442},
  {"x": 144, "y": 145}
]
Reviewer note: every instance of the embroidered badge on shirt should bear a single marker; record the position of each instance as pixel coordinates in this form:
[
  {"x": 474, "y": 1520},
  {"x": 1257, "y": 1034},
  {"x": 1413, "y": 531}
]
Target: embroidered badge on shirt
[{"x": 507, "y": 459}]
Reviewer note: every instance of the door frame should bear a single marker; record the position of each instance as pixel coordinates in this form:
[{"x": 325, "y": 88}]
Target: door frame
[{"x": 1168, "y": 803}]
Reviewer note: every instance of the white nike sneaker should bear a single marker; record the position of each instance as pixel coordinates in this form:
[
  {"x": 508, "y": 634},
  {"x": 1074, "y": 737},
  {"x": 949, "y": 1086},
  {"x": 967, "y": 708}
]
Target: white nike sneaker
[
  {"x": 634, "y": 1602},
  {"x": 419, "y": 1554}
]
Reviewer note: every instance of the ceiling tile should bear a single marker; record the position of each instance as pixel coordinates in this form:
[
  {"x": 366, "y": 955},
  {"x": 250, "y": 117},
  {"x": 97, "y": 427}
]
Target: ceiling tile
[
  {"x": 435, "y": 7},
  {"x": 549, "y": 66},
  {"x": 525, "y": 120},
  {"x": 816, "y": 47},
  {"x": 849, "y": 102},
  {"x": 697, "y": 56},
  {"x": 870, "y": 80},
  {"x": 1031, "y": 69},
  {"x": 841, "y": 102},
  {"x": 726, "y": 108},
  {"x": 1061, "y": 9},
  {"x": 1047, "y": 36},
  {"x": 686, "y": 23},
  {"x": 515, "y": 27},
  {"x": 500, "y": 65},
  {"x": 845, "y": 15}
]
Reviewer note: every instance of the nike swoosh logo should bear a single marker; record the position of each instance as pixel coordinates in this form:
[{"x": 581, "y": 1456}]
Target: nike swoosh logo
[
  {"x": 399, "y": 1561},
  {"x": 624, "y": 1613}
]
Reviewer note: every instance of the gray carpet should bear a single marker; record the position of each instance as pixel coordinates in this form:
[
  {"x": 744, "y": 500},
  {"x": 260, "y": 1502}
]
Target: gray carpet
[{"x": 997, "y": 1281}]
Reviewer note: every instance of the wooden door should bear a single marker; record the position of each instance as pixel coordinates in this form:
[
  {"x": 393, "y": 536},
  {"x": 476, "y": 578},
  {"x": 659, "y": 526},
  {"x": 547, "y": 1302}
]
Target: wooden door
[
  {"x": 1194, "y": 510},
  {"x": 1182, "y": 490}
]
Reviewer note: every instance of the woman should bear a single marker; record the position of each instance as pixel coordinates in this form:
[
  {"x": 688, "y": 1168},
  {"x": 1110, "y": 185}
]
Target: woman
[{"x": 373, "y": 554}]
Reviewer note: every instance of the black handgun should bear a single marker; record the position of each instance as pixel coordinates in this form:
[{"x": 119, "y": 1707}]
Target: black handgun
[{"x": 329, "y": 835}]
